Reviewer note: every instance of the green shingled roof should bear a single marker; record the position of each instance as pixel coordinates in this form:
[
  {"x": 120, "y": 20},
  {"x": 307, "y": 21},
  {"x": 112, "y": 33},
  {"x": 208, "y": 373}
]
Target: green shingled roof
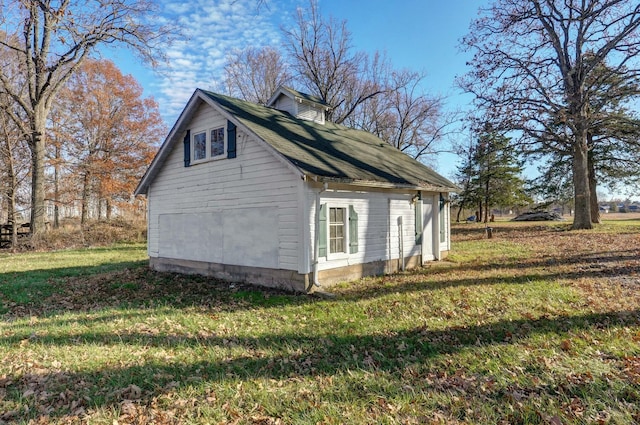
[{"x": 330, "y": 151}]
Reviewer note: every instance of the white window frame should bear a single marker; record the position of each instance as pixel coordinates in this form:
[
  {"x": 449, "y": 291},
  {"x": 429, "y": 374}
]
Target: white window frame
[
  {"x": 338, "y": 255},
  {"x": 193, "y": 146},
  {"x": 224, "y": 142},
  {"x": 207, "y": 132}
]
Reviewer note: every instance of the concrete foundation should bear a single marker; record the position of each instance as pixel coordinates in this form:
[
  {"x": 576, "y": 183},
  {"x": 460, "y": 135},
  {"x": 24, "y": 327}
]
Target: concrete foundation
[{"x": 283, "y": 279}]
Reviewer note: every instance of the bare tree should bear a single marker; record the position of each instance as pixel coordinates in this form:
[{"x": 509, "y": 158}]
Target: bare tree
[
  {"x": 254, "y": 74},
  {"x": 405, "y": 115},
  {"x": 364, "y": 90},
  {"x": 52, "y": 39},
  {"x": 14, "y": 164},
  {"x": 535, "y": 63},
  {"x": 322, "y": 57}
]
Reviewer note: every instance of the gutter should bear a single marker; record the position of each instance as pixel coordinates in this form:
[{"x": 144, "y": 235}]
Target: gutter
[{"x": 386, "y": 185}]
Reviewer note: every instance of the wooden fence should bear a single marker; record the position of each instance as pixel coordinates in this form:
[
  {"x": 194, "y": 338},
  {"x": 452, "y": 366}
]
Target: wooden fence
[{"x": 23, "y": 230}]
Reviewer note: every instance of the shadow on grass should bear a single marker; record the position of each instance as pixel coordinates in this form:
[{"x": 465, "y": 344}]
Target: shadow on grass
[
  {"x": 134, "y": 285},
  {"x": 283, "y": 356},
  {"x": 30, "y": 291},
  {"x": 126, "y": 285},
  {"x": 606, "y": 264}
]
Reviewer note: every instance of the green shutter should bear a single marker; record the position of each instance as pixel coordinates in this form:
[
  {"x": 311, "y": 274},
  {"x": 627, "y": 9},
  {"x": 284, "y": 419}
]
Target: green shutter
[
  {"x": 418, "y": 210},
  {"x": 231, "y": 140},
  {"x": 353, "y": 230},
  {"x": 187, "y": 148},
  {"x": 322, "y": 231}
]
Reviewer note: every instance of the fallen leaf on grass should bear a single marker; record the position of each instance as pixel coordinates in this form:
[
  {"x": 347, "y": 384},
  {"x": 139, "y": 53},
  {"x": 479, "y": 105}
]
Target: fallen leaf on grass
[{"x": 566, "y": 345}]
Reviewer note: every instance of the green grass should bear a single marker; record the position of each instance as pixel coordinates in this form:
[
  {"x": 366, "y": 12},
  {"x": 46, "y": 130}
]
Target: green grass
[
  {"x": 536, "y": 326},
  {"x": 26, "y": 278}
]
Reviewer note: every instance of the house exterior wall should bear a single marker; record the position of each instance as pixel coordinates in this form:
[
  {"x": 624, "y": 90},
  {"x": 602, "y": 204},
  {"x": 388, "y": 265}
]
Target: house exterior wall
[
  {"x": 387, "y": 239},
  {"x": 308, "y": 112},
  {"x": 238, "y": 212},
  {"x": 285, "y": 103},
  {"x": 445, "y": 245}
]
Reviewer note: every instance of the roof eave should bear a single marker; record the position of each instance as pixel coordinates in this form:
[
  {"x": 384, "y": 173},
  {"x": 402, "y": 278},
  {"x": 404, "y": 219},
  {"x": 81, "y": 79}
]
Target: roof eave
[
  {"x": 165, "y": 148},
  {"x": 384, "y": 185}
]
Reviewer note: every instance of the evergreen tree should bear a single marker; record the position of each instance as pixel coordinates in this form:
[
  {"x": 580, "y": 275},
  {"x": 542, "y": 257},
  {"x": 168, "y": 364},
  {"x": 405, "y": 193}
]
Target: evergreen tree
[{"x": 493, "y": 172}]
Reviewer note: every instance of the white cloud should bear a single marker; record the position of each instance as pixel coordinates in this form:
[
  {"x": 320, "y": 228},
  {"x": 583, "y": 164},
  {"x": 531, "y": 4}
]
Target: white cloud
[{"x": 210, "y": 29}]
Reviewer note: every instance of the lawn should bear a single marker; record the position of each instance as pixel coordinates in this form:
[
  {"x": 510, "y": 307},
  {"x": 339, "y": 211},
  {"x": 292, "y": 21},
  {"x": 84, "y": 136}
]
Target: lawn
[{"x": 539, "y": 325}]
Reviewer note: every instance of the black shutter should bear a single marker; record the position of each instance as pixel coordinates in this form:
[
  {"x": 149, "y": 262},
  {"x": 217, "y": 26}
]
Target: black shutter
[
  {"x": 187, "y": 149},
  {"x": 231, "y": 140}
]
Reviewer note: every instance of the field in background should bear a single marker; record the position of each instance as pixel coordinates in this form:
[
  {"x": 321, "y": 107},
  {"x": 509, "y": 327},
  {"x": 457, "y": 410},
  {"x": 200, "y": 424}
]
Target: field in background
[{"x": 538, "y": 325}]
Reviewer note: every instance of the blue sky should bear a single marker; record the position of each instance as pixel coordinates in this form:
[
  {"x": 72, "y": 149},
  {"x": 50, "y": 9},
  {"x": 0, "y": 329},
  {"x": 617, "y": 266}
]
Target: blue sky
[{"x": 422, "y": 35}]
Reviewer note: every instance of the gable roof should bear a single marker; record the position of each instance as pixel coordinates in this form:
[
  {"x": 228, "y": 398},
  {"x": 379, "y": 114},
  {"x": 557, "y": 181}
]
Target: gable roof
[{"x": 324, "y": 152}]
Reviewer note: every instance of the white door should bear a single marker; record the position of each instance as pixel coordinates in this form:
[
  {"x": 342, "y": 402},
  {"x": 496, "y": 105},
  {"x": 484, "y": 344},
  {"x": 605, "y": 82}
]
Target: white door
[{"x": 427, "y": 229}]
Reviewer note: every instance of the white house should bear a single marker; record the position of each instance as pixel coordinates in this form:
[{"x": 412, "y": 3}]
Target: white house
[{"x": 276, "y": 196}]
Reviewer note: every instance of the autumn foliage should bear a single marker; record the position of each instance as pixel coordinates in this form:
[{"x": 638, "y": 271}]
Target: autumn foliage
[{"x": 104, "y": 136}]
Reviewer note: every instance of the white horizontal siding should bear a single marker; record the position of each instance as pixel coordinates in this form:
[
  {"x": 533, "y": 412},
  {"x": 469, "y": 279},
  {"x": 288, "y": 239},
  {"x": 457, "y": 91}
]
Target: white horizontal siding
[
  {"x": 285, "y": 103},
  {"x": 254, "y": 180},
  {"x": 378, "y": 234},
  {"x": 308, "y": 112}
]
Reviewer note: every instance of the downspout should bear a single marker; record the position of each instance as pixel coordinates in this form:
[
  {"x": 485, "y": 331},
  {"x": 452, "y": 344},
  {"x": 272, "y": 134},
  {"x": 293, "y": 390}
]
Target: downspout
[
  {"x": 316, "y": 236},
  {"x": 401, "y": 240}
]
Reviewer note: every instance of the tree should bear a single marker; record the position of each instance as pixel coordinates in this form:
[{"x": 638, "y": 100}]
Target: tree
[
  {"x": 52, "y": 39},
  {"x": 321, "y": 55},
  {"x": 364, "y": 91},
  {"x": 254, "y": 74},
  {"x": 535, "y": 62},
  {"x": 14, "y": 160},
  {"x": 404, "y": 115},
  {"x": 491, "y": 175},
  {"x": 613, "y": 139},
  {"x": 111, "y": 132},
  {"x": 14, "y": 166},
  {"x": 468, "y": 197}
]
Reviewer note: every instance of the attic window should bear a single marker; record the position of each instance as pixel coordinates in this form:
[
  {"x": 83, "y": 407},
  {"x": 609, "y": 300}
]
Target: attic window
[
  {"x": 199, "y": 146},
  {"x": 217, "y": 142},
  {"x": 208, "y": 144}
]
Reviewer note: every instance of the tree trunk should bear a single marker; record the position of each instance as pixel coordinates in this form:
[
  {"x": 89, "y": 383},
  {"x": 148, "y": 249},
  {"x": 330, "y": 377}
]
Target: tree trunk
[
  {"x": 56, "y": 189},
  {"x": 37, "y": 184},
  {"x": 11, "y": 195},
  {"x": 582, "y": 216},
  {"x": 86, "y": 189},
  {"x": 593, "y": 195},
  {"x": 109, "y": 207},
  {"x": 486, "y": 201},
  {"x": 459, "y": 213},
  {"x": 38, "y": 148}
]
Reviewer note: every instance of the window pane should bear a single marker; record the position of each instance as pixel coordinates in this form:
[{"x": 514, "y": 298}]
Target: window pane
[
  {"x": 332, "y": 246},
  {"x": 337, "y": 230},
  {"x": 199, "y": 146},
  {"x": 217, "y": 142}
]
